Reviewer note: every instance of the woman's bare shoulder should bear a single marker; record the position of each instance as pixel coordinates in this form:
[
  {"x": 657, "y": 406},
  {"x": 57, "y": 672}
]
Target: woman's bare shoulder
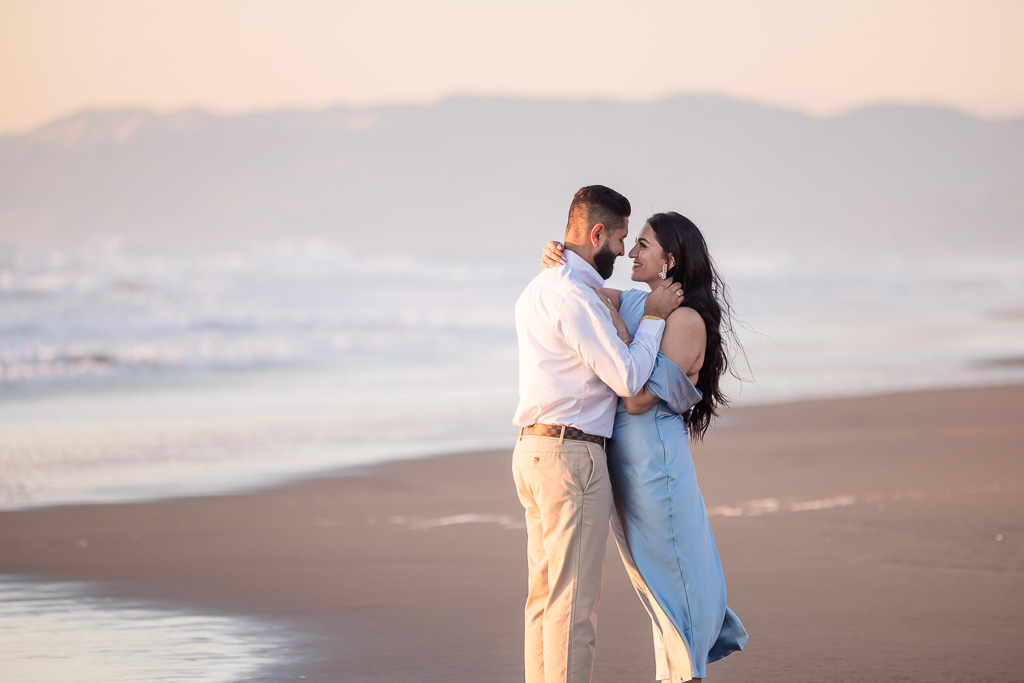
[
  {"x": 684, "y": 339},
  {"x": 686, "y": 319}
]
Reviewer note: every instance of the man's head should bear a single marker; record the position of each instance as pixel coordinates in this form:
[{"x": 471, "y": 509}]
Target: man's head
[{"x": 597, "y": 227}]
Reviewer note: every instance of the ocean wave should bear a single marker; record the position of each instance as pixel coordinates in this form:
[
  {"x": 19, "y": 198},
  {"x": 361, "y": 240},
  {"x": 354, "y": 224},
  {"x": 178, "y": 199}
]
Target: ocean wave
[
  {"x": 49, "y": 362},
  {"x": 73, "y": 314},
  {"x": 807, "y": 328}
]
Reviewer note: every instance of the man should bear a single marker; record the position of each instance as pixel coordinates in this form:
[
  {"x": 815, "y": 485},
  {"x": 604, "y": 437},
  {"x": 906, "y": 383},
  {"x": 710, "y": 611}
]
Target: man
[{"x": 572, "y": 367}]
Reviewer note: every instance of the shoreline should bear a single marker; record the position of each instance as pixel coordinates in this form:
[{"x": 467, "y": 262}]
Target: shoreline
[
  {"x": 142, "y": 484},
  {"x": 897, "y": 529}
]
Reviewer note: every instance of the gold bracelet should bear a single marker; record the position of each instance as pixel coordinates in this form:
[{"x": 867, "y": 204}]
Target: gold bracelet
[
  {"x": 627, "y": 342},
  {"x": 650, "y": 317}
]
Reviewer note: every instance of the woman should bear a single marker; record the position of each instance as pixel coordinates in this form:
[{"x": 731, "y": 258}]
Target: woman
[{"x": 660, "y": 522}]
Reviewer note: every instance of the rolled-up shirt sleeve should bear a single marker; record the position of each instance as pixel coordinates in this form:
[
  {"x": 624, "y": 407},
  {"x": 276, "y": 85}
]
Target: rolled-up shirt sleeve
[{"x": 586, "y": 325}]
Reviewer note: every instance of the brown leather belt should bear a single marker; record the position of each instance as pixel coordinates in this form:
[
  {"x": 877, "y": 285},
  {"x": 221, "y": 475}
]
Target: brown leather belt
[{"x": 556, "y": 431}]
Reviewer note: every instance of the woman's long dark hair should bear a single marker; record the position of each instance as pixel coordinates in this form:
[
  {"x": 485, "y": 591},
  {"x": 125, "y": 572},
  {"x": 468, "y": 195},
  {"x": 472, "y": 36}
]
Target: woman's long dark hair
[{"x": 705, "y": 293}]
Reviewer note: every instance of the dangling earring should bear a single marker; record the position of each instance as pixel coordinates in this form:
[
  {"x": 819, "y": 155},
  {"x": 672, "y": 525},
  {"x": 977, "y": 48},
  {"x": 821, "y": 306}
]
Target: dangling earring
[{"x": 664, "y": 271}]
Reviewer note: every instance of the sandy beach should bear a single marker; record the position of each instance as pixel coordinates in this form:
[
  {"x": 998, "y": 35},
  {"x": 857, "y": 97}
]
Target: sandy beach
[{"x": 863, "y": 539}]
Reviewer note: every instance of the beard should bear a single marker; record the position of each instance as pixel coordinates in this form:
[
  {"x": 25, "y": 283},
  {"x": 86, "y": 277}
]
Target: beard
[{"x": 604, "y": 262}]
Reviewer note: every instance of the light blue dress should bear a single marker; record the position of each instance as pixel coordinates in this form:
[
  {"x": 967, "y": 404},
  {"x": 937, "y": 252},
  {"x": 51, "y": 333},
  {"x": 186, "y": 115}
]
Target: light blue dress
[{"x": 661, "y": 525}]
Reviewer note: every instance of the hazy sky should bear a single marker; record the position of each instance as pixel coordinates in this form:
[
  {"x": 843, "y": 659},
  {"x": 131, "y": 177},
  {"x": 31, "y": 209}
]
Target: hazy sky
[{"x": 821, "y": 56}]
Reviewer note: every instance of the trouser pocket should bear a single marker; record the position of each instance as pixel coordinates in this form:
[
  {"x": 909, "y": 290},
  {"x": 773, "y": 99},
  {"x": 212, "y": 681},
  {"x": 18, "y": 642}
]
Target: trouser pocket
[{"x": 589, "y": 466}]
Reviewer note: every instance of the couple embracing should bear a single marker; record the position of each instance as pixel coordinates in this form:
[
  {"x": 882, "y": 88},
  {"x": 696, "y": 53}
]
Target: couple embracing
[{"x": 612, "y": 385}]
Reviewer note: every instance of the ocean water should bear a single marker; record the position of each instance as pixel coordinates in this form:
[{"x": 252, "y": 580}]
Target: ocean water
[
  {"x": 64, "y": 632},
  {"x": 129, "y": 376}
]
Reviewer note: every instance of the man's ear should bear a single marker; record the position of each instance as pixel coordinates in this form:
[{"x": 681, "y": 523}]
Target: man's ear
[{"x": 595, "y": 234}]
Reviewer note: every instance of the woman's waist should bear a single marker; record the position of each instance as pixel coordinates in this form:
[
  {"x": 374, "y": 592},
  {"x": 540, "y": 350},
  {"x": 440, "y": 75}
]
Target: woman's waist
[{"x": 660, "y": 411}]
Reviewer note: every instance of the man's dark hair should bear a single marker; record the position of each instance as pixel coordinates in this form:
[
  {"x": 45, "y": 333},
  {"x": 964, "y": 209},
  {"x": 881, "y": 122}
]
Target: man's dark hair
[{"x": 596, "y": 204}]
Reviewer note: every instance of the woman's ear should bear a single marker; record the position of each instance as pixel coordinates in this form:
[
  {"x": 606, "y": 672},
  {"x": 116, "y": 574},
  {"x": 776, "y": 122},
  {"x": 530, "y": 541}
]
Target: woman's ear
[{"x": 671, "y": 261}]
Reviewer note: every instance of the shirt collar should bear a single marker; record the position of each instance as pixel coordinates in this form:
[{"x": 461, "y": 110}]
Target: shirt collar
[{"x": 583, "y": 270}]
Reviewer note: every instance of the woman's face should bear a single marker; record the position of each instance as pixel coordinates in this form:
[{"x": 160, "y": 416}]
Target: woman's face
[{"x": 648, "y": 256}]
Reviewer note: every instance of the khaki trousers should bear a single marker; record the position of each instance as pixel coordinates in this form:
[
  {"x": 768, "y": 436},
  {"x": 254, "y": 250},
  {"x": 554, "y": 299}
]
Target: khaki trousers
[{"x": 564, "y": 488}]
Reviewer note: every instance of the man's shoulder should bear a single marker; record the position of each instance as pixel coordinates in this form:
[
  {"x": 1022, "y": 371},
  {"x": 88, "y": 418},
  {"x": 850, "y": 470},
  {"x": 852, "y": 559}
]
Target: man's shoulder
[
  {"x": 554, "y": 281},
  {"x": 552, "y": 289}
]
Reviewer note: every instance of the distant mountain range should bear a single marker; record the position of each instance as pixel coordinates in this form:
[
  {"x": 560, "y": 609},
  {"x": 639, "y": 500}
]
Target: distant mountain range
[{"x": 479, "y": 174}]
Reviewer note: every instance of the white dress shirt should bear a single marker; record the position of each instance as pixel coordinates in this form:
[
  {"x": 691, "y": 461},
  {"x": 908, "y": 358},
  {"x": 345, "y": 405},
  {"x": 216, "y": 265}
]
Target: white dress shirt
[{"x": 572, "y": 366}]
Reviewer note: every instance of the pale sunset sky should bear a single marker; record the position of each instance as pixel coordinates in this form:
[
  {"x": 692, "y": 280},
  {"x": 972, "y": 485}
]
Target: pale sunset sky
[{"x": 232, "y": 56}]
